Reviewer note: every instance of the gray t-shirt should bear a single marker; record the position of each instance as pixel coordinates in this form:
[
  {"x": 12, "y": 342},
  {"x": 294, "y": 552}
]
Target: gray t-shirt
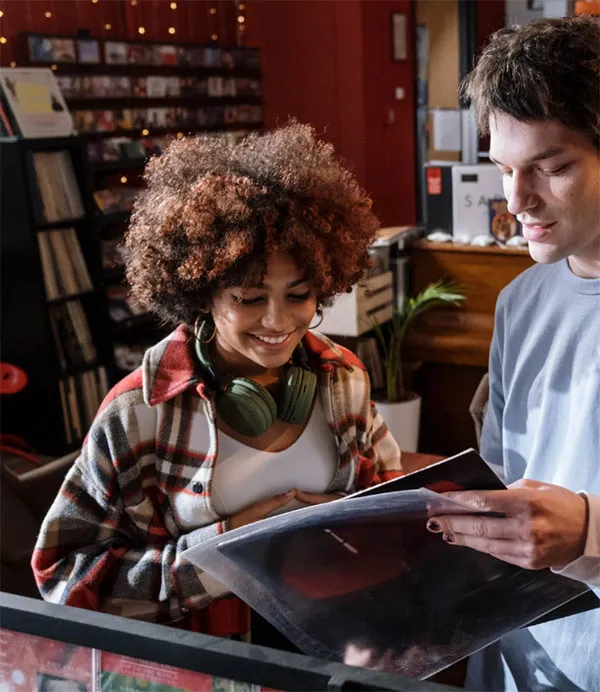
[{"x": 543, "y": 423}]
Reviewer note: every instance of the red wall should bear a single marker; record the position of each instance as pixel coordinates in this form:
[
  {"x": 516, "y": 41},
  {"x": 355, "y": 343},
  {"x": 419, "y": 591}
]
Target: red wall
[
  {"x": 390, "y": 131},
  {"x": 490, "y": 18},
  {"x": 329, "y": 62}
]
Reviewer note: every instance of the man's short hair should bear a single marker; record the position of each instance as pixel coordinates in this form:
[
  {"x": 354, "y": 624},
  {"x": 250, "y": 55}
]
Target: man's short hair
[{"x": 546, "y": 70}]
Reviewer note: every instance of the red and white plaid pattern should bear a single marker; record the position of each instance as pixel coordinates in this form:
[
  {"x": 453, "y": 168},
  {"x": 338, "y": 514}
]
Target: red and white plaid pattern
[{"x": 113, "y": 541}]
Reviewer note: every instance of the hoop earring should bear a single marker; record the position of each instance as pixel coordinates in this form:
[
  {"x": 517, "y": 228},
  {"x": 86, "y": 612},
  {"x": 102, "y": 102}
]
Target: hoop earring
[
  {"x": 320, "y": 314},
  {"x": 198, "y": 329}
]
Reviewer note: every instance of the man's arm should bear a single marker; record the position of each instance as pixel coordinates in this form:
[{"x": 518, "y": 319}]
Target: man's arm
[{"x": 543, "y": 525}]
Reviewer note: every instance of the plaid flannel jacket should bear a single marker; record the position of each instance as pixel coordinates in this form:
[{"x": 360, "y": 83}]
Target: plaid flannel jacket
[{"x": 113, "y": 538}]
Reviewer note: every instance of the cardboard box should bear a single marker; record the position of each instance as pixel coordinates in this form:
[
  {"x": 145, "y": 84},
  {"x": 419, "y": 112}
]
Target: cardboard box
[
  {"x": 370, "y": 302},
  {"x": 472, "y": 189}
]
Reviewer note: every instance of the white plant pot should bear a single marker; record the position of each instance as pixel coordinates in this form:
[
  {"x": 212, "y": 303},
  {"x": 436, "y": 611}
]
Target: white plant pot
[{"x": 402, "y": 419}]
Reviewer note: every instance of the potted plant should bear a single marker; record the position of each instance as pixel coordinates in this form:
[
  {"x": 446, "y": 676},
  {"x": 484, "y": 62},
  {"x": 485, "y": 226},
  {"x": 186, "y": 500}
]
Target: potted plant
[{"x": 400, "y": 407}]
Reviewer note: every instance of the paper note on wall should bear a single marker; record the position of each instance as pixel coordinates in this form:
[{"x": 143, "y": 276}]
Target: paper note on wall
[
  {"x": 446, "y": 129},
  {"x": 33, "y": 98}
]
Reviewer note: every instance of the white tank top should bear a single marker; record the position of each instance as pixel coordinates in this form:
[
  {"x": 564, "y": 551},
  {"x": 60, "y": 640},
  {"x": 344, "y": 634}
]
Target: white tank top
[{"x": 244, "y": 475}]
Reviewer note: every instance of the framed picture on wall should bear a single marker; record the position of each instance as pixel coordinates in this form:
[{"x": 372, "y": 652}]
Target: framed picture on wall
[{"x": 399, "y": 39}]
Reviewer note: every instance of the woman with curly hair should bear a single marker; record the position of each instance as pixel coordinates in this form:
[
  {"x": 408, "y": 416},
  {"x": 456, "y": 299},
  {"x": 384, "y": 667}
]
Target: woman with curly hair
[{"x": 243, "y": 410}]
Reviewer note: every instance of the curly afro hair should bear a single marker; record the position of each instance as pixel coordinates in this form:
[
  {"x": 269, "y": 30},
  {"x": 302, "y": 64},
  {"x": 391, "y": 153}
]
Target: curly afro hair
[{"x": 213, "y": 212}]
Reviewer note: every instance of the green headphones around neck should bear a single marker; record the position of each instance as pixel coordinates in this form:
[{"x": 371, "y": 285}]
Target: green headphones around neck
[{"x": 247, "y": 407}]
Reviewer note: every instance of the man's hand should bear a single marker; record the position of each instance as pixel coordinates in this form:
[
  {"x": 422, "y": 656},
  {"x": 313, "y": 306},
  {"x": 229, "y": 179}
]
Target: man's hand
[
  {"x": 543, "y": 525},
  {"x": 261, "y": 510}
]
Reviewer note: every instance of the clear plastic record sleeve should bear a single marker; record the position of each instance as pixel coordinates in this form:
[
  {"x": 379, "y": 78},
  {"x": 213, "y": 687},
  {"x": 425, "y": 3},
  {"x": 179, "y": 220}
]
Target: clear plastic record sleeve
[{"x": 361, "y": 580}]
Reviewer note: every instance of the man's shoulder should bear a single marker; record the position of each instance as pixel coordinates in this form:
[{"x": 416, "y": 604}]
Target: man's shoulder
[{"x": 530, "y": 285}]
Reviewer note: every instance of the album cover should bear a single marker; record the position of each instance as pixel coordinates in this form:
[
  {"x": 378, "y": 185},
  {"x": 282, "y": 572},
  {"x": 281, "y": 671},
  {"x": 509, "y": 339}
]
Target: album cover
[
  {"x": 89, "y": 51},
  {"x": 227, "y": 59},
  {"x": 139, "y": 117},
  {"x": 503, "y": 225},
  {"x": 88, "y": 87},
  {"x": 231, "y": 115},
  {"x": 164, "y": 55},
  {"x": 138, "y": 54},
  {"x": 132, "y": 149},
  {"x": 183, "y": 56},
  {"x": 120, "y": 86},
  {"x": 111, "y": 149},
  {"x": 173, "y": 87},
  {"x": 195, "y": 57},
  {"x": 104, "y": 121},
  {"x": 212, "y": 57},
  {"x": 67, "y": 85},
  {"x": 36, "y": 103},
  {"x": 35, "y": 663},
  {"x": 63, "y": 50},
  {"x": 171, "y": 117},
  {"x": 123, "y": 119},
  {"x": 362, "y": 579},
  {"x": 139, "y": 86},
  {"x": 229, "y": 87},
  {"x": 40, "y": 49},
  {"x": 215, "y": 86},
  {"x": 156, "y": 87},
  {"x": 94, "y": 151},
  {"x": 157, "y": 117},
  {"x": 115, "y": 53},
  {"x": 107, "y": 201}
]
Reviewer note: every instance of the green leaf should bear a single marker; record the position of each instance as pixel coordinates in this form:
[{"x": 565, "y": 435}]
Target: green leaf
[{"x": 392, "y": 334}]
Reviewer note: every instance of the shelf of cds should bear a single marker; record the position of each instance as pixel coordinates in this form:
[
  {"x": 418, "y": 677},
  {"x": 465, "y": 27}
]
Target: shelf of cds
[
  {"x": 54, "y": 308},
  {"x": 127, "y": 97}
]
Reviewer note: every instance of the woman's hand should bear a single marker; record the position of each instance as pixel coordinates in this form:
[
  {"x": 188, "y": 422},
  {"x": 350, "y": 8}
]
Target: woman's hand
[
  {"x": 261, "y": 510},
  {"x": 316, "y": 498}
]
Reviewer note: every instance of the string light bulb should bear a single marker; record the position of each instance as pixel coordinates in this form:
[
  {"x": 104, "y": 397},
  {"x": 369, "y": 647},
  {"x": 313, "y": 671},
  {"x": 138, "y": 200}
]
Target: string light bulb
[
  {"x": 2, "y": 39},
  {"x": 145, "y": 132},
  {"x": 242, "y": 6},
  {"x": 13, "y": 64},
  {"x": 213, "y": 10},
  {"x": 1, "y": 13},
  {"x": 179, "y": 135},
  {"x": 123, "y": 179},
  {"x": 54, "y": 67},
  {"x": 241, "y": 19},
  {"x": 94, "y": 2},
  {"x": 214, "y": 37},
  {"x": 141, "y": 30},
  {"x": 108, "y": 27},
  {"x": 47, "y": 15},
  {"x": 171, "y": 29},
  {"x": 173, "y": 5},
  {"x": 134, "y": 3}
]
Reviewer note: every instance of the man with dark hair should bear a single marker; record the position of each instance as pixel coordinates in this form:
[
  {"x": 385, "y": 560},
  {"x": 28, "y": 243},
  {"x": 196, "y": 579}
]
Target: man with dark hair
[{"x": 536, "y": 89}]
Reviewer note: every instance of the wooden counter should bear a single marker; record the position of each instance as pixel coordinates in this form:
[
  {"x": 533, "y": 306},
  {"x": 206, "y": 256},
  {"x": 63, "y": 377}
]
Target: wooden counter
[
  {"x": 461, "y": 335},
  {"x": 452, "y": 344}
]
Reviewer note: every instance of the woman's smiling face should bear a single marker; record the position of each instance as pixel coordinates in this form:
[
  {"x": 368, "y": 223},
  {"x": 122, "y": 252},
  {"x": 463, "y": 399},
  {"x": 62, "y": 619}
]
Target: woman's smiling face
[{"x": 258, "y": 328}]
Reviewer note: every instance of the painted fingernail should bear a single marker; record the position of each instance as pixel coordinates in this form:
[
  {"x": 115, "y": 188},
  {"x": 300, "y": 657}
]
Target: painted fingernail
[
  {"x": 448, "y": 537},
  {"x": 434, "y": 526}
]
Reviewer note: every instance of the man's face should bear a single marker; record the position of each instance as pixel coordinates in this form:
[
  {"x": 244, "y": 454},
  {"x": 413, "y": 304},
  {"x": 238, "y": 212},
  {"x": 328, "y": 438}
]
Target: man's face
[{"x": 552, "y": 183}]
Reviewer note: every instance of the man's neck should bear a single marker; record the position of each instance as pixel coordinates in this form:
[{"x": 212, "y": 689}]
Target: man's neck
[{"x": 584, "y": 267}]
